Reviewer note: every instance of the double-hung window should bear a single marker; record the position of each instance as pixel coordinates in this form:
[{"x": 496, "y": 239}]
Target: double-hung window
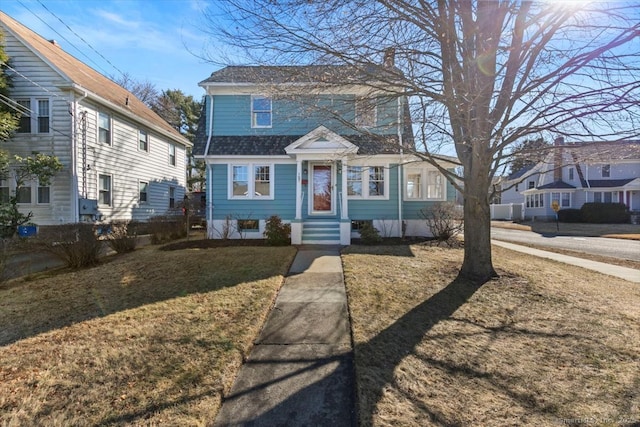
[
  {"x": 261, "y": 109},
  {"x": 354, "y": 180},
  {"x": 23, "y": 194},
  {"x": 424, "y": 184},
  {"x": 25, "y": 116},
  {"x": 172, "y": 154},
  {"x": 143, "y": 140},
  {"x": 4, "y": 191},
  {"x": 606, "y": 171},
  {"x": 251, "y": 181},
  {"x": 367, "y": 181},
  {"x": 44, "y": 194},
  {"x": 104, "y": 190},
  {"x": 366, "y": 112},
  {"x": 172, "y": 197},
  {"x": 143, "y": 192},
  {"x": 563, "y": 199},
  {"x": 43, "y": 116},
  {"x": 104, "y": 128}
]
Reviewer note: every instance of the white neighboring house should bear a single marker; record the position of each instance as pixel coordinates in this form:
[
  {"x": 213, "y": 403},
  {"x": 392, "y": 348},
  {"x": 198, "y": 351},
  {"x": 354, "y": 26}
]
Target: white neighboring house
[
  {"x": 121, "y": 160},
  {"x": 574, "y": 174}
]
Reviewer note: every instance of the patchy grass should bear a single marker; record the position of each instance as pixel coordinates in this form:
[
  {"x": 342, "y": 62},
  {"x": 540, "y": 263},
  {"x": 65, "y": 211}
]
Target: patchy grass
[
  {"x": 614, "y": 231},
  {"x": 545, "y": 344},
  {"x": 148, "y": 338}
]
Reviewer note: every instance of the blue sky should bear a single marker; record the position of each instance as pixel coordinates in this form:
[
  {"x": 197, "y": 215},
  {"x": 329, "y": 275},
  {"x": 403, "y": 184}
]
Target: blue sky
[{"x": 152, "y": 40}]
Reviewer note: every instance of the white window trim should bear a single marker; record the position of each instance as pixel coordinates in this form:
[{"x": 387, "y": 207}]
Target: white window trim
[
  {"x": 424, "y": 173},
  {"x": 148, "y": 139},
  {"x": 254, "y": 124},
  {"x": 365, "y": 182},
  {"x": 34, "y": 114},
  {"x": 31, "y": 185},
  {"x": 37, "y": 124},
  {"x": 561, "y": 193},
  {"x": 110, "y": 142},
  {"x": 98, "y": 189},
  {"x": 38, "y": 186},
  {"x": 251, "y": 181},
  {"x": 140, "y": 202},
  {"x": 173, "y": 148},
  {"x": 362, "y": 192}
]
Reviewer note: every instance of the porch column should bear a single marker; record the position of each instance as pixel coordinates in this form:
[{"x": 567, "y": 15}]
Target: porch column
[
  {"x": 298, "y": 189},
  {"x": 345, "y": 205}
]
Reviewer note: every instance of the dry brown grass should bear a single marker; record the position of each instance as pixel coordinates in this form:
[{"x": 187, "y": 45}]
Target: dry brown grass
[
  {"x": 545, "y": 344},
  {"x": 149, "y": 338}
]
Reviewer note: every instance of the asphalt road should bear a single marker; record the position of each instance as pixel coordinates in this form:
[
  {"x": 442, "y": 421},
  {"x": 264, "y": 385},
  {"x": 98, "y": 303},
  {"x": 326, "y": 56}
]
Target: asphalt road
[{"x": 616, "y": 248}]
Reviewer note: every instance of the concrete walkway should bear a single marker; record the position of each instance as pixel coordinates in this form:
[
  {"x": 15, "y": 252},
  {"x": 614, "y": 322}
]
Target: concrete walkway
[
  {"x": 300, "y": 372},
  {"x": 625, "y": 273}
]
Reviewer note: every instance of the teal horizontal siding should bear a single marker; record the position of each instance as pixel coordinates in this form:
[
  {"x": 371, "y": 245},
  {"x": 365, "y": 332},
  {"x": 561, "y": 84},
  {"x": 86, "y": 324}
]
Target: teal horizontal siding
[
  {"x": 283, "y": 204},
  {"x": 295, "y": 116}
]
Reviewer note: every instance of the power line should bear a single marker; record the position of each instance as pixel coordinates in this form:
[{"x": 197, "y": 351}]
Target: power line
[
  {"x": 80, "y": 37},
  {"x": 22, "y": 110},
  {"x": 34, "y": 83},
  {"x": 63, "y": 37}
]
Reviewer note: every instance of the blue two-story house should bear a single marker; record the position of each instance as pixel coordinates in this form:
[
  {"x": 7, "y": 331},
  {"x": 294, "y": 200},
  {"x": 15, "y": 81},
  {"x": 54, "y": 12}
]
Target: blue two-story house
[{"x": 326, "y": 148}]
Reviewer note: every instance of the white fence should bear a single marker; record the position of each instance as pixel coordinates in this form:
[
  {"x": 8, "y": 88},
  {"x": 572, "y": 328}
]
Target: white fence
[{"x": 511, "y": 211}]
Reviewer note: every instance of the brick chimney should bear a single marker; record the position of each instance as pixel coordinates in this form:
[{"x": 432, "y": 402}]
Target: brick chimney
[
  {"x": 557, "y": 158},
  {"x": 389, "y": 57}
]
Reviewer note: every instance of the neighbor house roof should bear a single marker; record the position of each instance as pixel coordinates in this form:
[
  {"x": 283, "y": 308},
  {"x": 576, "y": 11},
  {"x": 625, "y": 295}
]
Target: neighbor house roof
[
  {"x": 556, "y": 185},
  {"x": 603, "y": 152},
  {"x": 609, "y": 183},
  {"x": 87, "y": 79}
]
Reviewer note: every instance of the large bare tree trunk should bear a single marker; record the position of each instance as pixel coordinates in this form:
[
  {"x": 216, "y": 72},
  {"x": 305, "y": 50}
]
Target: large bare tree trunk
[{"x": 477, "y": 264}]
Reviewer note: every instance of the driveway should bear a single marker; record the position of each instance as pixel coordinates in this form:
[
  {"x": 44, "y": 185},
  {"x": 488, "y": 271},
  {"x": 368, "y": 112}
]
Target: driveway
[{"x": 615, "y": 248}]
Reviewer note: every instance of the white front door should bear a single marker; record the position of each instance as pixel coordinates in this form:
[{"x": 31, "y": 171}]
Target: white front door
[{"x": 322, "y": 183}]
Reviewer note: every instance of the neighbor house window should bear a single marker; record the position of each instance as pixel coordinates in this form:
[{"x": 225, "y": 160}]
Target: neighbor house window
[
  {"x": 248, "y": 225},
  {"x": 143, "y": 140},
  {"x": 23, "y": 194},
  {"x": 366, "y": 112},
  {"x": 251, "y": 181},
  {"x": 24, "y": 126},
  {"x": 43, "y": 116},
  {"x": 261, "y": 112},
  {"x": 563, "y": 199},
  {"x": 531, "y": 184},
  {"x": 606, "y": 171},
  {"x": 354, "y": 180},
  {"x": 104, "y": 189},
  {"x": 571, "y": 174},
  {"x": 606, "y": 197},
  {"x": 535, "y": 200},
  {"x": 104, "y": 128},
  {"x": 172, "y": 197},
  {"x": 424, "y": 184},
  {"x": 4, "y": 191},
  {"x": 44, "y": 194},
  {"x": 172, "y": 154},
  {"x": 143, "y": 192}
]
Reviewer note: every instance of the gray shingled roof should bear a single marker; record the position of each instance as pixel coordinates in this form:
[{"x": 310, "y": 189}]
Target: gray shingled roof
[
  {"x": 556, "y": 185},
  {"x": 609, "y": 183},
  {"x": 329, "y": 74}
]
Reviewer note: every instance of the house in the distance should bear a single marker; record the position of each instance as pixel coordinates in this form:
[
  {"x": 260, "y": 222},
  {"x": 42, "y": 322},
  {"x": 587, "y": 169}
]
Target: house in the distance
[
  {"x": 325, "y": 148},
  {"x": 574, "y": 174},
  {"x": 120, "y": 160}
]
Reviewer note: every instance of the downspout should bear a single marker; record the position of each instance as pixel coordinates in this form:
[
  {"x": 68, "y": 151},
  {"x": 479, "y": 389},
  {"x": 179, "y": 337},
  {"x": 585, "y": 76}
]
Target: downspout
[
  {"x": 400, "y": 168},
  {"x": 209, "y": 169}
]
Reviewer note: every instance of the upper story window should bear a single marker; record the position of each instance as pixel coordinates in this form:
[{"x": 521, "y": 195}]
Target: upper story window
[
  {"x": 606, "y": 171},
  {"x": 251, "y": 181},
  {"x": 531, "y": 184},
  {"x": 43, "y": 116},
  {"x": 424, "y": 184},
  {"x": 172, "y": 154},
  {"x": 44, "y": 194},
  {"x": 366, "y": 112},
  {"x": 143, "y": 140},
  {"x": 25, "y": 116},
  {"x": 261, "y": 109},
  {"x": 571, "y": 178},
  {"x": 104, "y": 128}
]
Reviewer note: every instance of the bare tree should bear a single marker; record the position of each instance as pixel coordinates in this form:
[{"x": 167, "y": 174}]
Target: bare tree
[
  {"x": 480, "y": 74},
  {"x": 145, "y": 91}
]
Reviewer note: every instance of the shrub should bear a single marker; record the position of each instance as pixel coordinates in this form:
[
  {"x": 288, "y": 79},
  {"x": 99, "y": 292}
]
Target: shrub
[
  {"x": 75, "y": 244},
  {"x": 120, "y": 239},
  {"x": 444, "y": 220},
  {"x": 167, "y": 228},
  {"x": 605, "y": 213},
  {"x": 276, "y": 232},
  {"x": 369, "y": 234},
  {"x": 570, "y": 215}
]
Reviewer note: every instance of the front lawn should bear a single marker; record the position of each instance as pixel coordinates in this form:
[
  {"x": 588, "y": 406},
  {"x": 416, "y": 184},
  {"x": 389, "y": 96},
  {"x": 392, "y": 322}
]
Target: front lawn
[
  {"x": 148, "y": 338},
  {"x": 546, "y": 344}
]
